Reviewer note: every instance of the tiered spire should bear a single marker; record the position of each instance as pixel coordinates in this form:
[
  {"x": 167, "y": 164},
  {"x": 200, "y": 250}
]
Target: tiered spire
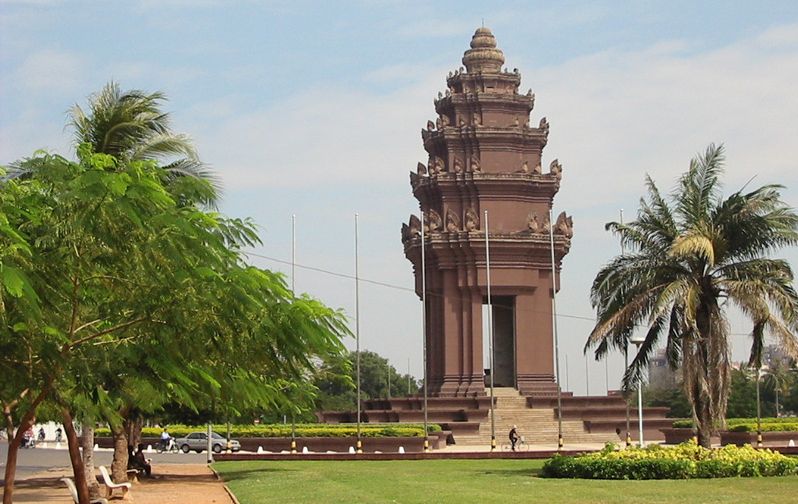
[{"x": 483, "y": 57}]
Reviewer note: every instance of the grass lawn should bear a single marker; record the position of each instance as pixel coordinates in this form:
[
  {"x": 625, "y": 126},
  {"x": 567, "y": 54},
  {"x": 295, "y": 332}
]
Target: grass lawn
[{"x": 473, "y": 481}]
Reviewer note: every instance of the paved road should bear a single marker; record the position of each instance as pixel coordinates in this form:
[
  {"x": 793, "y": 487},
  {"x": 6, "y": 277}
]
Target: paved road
[{"x": 35, "y": 460}]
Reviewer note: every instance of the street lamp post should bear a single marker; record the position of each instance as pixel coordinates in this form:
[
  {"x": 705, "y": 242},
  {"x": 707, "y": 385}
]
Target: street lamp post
[{"x": 637, "y": 342}]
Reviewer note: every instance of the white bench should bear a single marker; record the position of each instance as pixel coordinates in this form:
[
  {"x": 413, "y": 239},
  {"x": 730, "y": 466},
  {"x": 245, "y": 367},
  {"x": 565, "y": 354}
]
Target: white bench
[
  {"x": 110, "y": 486},
  {"x": 73, "y": 491}
]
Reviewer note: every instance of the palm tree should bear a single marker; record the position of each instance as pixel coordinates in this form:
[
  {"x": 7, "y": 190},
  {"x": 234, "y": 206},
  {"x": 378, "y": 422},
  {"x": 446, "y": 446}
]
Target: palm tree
[
  {"x": 691, "y": 260},
  {"x": 130, "y": 125}
]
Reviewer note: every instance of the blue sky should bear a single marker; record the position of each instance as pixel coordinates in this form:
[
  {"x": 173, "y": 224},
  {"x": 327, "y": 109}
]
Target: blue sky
[{"x": 314, "y": 109}]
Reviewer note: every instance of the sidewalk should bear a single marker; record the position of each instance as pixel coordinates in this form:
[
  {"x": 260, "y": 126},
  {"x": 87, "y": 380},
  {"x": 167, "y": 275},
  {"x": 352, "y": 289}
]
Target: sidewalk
[{"x": 172, "y": 484}]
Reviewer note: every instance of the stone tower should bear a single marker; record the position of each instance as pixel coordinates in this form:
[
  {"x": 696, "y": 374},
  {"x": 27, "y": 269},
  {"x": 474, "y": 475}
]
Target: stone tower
[{"x": 484, "y": 155}]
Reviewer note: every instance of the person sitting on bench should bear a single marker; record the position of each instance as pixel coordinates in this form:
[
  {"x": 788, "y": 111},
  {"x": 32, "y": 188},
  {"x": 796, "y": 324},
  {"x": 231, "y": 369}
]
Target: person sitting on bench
[{"x": 137, "y": 461}]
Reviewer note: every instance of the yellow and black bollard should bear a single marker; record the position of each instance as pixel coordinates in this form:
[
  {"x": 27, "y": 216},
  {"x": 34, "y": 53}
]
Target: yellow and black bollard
[
  {"x": 492, "y": 443},
  {"x": 359, "y": 446},
  {"x": 426, "y": 445},
  {"x": 759, "y": 439},
  {"x": 293, "y": 445},
  {"x": 628, "y": 439},
  {"x": 559, "y": 443}
]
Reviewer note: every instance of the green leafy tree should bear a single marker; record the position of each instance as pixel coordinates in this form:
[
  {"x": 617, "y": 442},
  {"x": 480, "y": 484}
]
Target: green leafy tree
[
  {"x": 690, "y": 259},
  {"x": 337, "y": 381},
  {"x": 673, "y": 398},
  {"x": 113, "y": 288}
]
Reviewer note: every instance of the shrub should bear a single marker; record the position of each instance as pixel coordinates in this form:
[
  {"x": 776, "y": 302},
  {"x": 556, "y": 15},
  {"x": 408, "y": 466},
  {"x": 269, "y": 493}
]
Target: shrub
[
  {"x": 687, "y": 460},
  {"x": 766, "y": 427},
  {"x": 733, "y": 424},
  {"x": 301, "y": 430}
]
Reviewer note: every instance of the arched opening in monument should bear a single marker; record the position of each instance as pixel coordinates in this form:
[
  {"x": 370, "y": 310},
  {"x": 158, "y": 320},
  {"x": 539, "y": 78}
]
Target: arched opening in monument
[{"x": 504, "y": 340}]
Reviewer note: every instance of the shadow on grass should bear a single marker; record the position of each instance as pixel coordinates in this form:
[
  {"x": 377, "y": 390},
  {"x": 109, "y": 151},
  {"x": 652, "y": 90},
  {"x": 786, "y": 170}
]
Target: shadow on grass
[
  {"x": 237, "y": 474},
  {"x": 513, "y": 473}
]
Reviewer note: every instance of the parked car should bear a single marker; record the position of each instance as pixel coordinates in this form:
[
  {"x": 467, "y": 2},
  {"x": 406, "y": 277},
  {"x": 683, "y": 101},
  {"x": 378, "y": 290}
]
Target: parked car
[{"x": 198, "y": 441}]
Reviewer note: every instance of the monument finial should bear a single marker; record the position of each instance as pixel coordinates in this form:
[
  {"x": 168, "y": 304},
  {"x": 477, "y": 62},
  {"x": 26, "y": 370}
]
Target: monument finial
[{"x": 483, "y": 57}]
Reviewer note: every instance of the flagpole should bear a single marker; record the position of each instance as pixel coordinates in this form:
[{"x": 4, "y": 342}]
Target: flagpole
[
  {"x": 490, "y": 336},
  {"x": 408, "y": 377},
  {"x": 567, "y": 384},
  {"x": 357, "y": 338},
  {"x": 587, "y": 378},
  {"x": 293, "y": 293},
  {"x": 556, "y": 336},
  {"x": 424, "y": 326},
  {"x": 626, "y": 368}
]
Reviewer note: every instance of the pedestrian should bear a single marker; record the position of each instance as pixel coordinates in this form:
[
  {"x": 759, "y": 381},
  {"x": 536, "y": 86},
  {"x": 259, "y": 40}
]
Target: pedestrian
[{"x": 58, "y": 432}]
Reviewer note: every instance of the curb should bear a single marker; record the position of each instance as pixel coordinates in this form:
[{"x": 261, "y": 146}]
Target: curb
[{"x": 226, "y": 488}]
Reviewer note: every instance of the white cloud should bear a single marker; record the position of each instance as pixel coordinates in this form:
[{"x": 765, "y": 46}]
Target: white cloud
[
  {"x": 618, "y": 115},
  {"x": 322, "y": 136},
  {"x": 50, "y": 70}
]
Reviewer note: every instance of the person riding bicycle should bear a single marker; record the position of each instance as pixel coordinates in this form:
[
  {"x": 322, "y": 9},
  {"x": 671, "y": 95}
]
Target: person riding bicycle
[
  {"x": 28, "y": 440},
  {"x": 513, "y": 437},
  {"x": 166, "y": 440},
  {"x": 41, "y": 434}
]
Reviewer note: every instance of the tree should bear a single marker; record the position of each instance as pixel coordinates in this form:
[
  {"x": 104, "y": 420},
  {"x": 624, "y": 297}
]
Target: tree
[
  {"x": 337, "y": 381},
  {"x": 689, "y": 261},
  {"x": 131, "y": 126},
  {"x": 103, "y": 268}
]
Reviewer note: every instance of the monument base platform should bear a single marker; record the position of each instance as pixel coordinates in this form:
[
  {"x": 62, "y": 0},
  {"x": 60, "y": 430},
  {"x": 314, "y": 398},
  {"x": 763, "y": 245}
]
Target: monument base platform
[{"x": 585, "y": 419}]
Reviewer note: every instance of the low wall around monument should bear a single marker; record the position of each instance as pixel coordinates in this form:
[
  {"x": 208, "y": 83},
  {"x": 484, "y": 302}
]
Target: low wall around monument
[{"x": 437, "y": 440}]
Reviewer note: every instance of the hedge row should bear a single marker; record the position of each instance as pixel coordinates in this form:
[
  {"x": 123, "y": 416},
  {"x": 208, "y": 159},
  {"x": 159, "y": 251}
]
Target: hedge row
[
  {"x": 301, "y": 430},
  {"x": 685, "y": 461},
  {"x": 749, "y": 424},
  {"x": 766, "y": 427}
]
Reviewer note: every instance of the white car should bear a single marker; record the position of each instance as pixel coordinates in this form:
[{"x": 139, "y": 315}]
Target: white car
[{"x": 198, "y": 441}]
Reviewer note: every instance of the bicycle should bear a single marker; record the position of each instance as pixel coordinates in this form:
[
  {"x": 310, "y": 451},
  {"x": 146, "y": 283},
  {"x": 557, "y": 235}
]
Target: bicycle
[
  {"x": 520, "y": 445},
  {"x": 167, "y": 446}
]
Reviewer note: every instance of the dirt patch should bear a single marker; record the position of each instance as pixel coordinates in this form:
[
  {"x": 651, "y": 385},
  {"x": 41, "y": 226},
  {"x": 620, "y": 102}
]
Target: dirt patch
[{"x": 170, "y": 484}]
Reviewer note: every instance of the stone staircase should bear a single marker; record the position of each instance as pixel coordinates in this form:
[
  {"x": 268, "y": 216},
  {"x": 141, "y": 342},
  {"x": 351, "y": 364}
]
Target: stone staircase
[{"x": 536, "y": 425}]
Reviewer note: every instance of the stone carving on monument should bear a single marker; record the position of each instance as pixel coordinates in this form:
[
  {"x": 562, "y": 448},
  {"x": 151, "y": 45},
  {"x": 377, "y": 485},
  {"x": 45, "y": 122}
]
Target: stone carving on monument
[
  {"x": 471, "y": 220},
  {"x": 502, "y": 149},
  {"x": 434, "y": 222},
  {"x": 474, "y": 167},
  {"x": 452, "y": 221},
  {"x": 555, "y": 169},
  {"x": 533, "y": 223}
]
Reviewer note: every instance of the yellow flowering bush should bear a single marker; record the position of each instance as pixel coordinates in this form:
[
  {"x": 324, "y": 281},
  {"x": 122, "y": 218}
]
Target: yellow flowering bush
[{"x": 687, "y": 460}]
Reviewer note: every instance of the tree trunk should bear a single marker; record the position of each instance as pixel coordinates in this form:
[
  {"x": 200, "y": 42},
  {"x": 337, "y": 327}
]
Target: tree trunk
[
  {"x": 13, "y": 445},
  {"x": 9, "y": 422},
  {"x": 11, "y": 459},
  {"x": 74, "y": 458},
  {"x": 133, "y": 427},
  {"x": 705, "y": 423},
  {"x": 119, "y": 465},
  {"x": 87, "y": 446}
]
